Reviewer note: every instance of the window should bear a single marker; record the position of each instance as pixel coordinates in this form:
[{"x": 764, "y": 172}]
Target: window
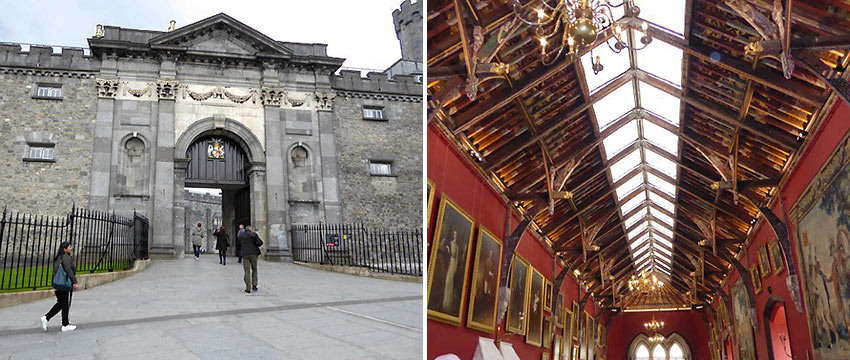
[
  {"x": 40, "y": 152},
  {"x": 48, "y": 91},
  {"x": 642, "y": 352},
  {"x": 673, "y": 347},
  {"x": 373, "y": 113},
  {"x": 381, "y": 168}
]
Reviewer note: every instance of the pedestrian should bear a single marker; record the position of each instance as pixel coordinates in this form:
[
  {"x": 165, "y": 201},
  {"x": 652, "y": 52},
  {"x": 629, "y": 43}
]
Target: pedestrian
[
  {"x": 250, "y": 244},
  {"x": 64, "y": 259},
  {"x": 239, "y": 247},
  {"x": 197, "y": 240},
  {"x": 221, "y": 244}
]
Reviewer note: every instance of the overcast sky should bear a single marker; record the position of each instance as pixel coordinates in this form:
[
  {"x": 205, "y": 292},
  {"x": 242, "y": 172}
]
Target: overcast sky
[{"x": 362, "y": 32}]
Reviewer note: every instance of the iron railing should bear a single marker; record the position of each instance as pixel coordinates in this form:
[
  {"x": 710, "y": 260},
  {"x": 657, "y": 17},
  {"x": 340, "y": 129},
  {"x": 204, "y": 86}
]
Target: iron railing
[
  {"x": 389, "y": 251},
  {"x": 100, "y": 241}
]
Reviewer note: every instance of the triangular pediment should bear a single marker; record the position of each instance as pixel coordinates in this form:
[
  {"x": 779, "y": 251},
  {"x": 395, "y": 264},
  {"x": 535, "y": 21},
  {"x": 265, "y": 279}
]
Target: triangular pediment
[{"x": 221, "y": 34}]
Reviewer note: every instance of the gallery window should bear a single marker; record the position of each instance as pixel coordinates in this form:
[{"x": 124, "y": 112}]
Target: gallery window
[
  {"x": 40, "y": 152},
  {"x": 373, "y": 113},
  {"x": 673, "y": 347},
  {"x": 48, "y": 91},
  {"x": 381, "y": 168}
]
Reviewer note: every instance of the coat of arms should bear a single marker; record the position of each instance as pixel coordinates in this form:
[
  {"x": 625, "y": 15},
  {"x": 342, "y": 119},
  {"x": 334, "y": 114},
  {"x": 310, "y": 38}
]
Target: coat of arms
[{"x": 215, "y": 151}]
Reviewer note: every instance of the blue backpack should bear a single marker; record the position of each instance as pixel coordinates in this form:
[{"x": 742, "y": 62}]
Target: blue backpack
[{"x": 61, "y": 280}]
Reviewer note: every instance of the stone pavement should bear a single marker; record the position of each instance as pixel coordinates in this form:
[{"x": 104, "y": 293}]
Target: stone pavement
[{"x": 182, "y": 309}]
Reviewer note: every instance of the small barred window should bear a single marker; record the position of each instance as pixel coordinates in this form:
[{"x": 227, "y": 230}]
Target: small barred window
[
  {"x": 49, "y": 92},
  {"x": 40, "y": 152},
  {"x": 380, "y": 168},
  {"x": 373, "y": 113}
]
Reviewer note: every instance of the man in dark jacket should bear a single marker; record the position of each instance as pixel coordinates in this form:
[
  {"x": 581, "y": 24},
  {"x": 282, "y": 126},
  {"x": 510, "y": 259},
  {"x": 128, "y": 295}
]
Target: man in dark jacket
[{"x": 250, "y": 244}]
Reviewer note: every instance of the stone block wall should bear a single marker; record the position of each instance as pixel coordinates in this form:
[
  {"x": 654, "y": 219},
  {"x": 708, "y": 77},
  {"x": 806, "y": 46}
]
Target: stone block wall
[
  {"x": 204, "y": 209},
  {"x": 47, "y": 188}
]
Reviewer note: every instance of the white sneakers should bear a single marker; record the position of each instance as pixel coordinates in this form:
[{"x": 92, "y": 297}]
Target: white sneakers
[
  {"x": 196, "y": 258},
  {"x": 69, "y": 327},
  {"x": 44, "y": 323}
]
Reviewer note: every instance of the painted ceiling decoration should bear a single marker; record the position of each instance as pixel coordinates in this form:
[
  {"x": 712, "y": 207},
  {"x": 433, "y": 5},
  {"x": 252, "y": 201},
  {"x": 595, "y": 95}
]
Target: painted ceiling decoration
[{"x": 652, "y": 157}]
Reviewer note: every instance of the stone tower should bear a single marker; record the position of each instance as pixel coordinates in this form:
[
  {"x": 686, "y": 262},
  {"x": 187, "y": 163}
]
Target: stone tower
[{"x": 408, "y": 29}]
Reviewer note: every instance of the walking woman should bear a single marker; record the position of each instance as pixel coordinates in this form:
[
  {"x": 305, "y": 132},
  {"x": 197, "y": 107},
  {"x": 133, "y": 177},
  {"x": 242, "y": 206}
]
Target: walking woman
[
  {"x": 222, "y": 242},
  {"x": 197, "y": 240},
  {"x": 64, "y": 259}
]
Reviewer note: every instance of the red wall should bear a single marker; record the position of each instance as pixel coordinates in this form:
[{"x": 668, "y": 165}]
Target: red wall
[
  {"x": 689, "y": 324},
  {"x": 831, "y": 132},
  {"x": 455, "y": 177}
]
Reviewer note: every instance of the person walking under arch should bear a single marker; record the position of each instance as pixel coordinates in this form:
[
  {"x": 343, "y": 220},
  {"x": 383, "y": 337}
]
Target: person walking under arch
[
  {"x": 197, "y": 240},
  {"x": 250, "y": 244},
  {"x": 64, "y": 259},
  {"x": 222, "y": 242},
  {"x": 238, "y": 246}
]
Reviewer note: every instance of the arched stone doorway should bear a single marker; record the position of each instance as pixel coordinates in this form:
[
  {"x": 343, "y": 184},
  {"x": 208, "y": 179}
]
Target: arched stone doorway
[
  {"x": 241, "y": 178},
  {"x": 776, "y": 330}
]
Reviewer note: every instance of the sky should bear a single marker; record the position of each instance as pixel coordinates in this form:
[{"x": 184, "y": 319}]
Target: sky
[{"x": 362, "y": 32}]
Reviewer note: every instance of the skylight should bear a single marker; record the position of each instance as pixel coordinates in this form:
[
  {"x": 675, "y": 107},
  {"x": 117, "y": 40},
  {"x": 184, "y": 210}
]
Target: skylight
[
  {"x": 661, "y": 184},
  {"x": 661, "y": 137},
  {"x": 661, "y": 59},
  {"x": 661, "y": 163},
  {"x": 615, "y": 64},
  {"x": 614, "y": 105},
  {"x": 629, "y": 185},
  {"x": 633, "y": 203},
  {"x": 659, "y": 102},
  {"x": 622, "y": 167},
  {"x": 620, "y": 139},
  {"x": 669, "y": 14}
]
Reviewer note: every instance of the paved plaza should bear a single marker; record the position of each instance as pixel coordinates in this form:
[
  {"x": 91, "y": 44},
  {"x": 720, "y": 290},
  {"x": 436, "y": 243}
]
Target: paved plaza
[{"x": 183, "y": 309}]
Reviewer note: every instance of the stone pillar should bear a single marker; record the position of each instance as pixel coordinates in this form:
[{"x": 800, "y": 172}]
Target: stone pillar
[
  {"x": 163, "y": 222},
  {"x": 227, "y": 217},
  {"x": 278, "y": 222},
  {"x": 330, "y": 167},
  {"x": 102, "y": 156},
  {"x": 179, "y": 210},
  {"x": 259, "y": 219}
]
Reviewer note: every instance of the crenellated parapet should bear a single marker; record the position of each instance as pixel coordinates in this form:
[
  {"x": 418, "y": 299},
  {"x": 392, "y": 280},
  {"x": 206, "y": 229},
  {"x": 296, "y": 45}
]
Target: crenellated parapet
[
  {"x": 408, "y": 28},
  {"x": 377, "y": 86},
  {"x": 47, "y": 60}
]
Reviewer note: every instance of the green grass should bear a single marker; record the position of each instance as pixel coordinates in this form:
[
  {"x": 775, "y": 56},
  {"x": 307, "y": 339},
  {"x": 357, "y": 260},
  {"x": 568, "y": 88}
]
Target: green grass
[{"x": 40, "y": 277}]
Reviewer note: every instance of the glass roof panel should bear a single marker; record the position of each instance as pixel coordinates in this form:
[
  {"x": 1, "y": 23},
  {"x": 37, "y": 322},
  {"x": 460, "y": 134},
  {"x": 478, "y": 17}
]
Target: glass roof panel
[
  {"x": 638, "y": 229},
  {"x": 620, "y": 139},
  {"x": 664, "y": 241},
  {"x": 659, "y": 103},
  {"x": 633, "y": 203},
  {"x": 661, "y": 163},
  {"x": 635, "y": 218},
  {"x": 663, "y": 257},
  {"x": 662, "y": 250},
  {"x": 613, "y": 65},
  {"x": 622, "y": 167},
  {"x": 639, "y": 241},
  {"x": 669, "y": 14},
  {"x": 662, "y": 185},
  {"x": 660, "y": 59},
  {"x": 642, "y": 258},
  {"x": 661, "y": 202},
  {"x": 663, "y": 270},
  {"x": 661, "y": 137},
  {"x": 631, "y": 184},
  {"x": 615, "y": 105},
  {"x": 663, "y": 230},
  {"x": 662, "y": 217}
]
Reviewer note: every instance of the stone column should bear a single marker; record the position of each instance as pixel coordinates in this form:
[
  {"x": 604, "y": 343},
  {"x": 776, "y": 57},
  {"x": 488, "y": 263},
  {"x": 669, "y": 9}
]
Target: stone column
[
  {"x": 102, "y": 157},
  {"x": 163, "y": 222},
  {"x": 330, "y": 167},
  {"x": 278, "y": 243},
  {"x": 179, "y": 210},
  {"x": 259, "y": 219}
]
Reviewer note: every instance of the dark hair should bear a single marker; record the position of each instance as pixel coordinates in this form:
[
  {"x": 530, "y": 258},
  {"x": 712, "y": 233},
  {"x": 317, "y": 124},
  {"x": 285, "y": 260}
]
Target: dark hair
[{"x": 64, "y": 245}]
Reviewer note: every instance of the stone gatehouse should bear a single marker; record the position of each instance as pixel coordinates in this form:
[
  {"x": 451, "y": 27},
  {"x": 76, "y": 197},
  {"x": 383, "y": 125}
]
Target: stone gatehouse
[{"x": 129, "y": 123}]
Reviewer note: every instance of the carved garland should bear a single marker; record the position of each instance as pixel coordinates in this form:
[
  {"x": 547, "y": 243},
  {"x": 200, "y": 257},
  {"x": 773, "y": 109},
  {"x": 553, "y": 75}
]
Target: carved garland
[
  {"x": 220, "y": 93},
  {"x": 145, "y": 91}
]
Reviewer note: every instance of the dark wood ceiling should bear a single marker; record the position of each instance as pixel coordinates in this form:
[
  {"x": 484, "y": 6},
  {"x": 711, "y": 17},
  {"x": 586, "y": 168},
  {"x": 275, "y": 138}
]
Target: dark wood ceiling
[{"x": 533, "y": 129}]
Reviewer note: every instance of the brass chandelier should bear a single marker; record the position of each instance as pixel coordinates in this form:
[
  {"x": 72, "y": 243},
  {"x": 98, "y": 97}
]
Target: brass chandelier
[
  {"x": 656, "y": 338},
  {"x": 644, "y": 283},
  {"x": 653, "y": 325},
  {"x": 577, "y": 23}
]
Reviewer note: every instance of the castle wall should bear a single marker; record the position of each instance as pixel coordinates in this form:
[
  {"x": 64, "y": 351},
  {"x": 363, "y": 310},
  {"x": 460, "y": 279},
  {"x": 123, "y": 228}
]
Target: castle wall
[{"x": 204, "y": 209}]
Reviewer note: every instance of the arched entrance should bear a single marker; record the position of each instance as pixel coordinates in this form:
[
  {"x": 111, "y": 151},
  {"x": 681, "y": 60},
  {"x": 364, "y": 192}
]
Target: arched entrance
[
  {"x": 776, "y": 330},
  {"x": 224, "y": 154}
]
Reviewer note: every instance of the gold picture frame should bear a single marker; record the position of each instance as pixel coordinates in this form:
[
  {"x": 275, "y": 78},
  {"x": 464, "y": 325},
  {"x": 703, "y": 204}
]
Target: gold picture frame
[
  {"x": 589, "y": 336},
  {"x": 764, "y": 261},
  {"x": 450, "y": 249},
  {"x": 560, "y": 311},
  {"x": 574, "y": 326},
  {"x": 754, "y": 274},
  {"x": 556, "y": 348},
  {"x": 547, "y": 333},
  {"x": 776, "y": 257},
  {"x": 568, "y": 318},
  {"x": 430, "y": 188},
  {"x": 547, "y": 295},
  {"x": 534, "y": 334},
  {"x": 518, "y": 302},
  {"x": 598, "y": 334},
  {"x": 484, "y": 292},
  {"x": 545, "y": 355}
]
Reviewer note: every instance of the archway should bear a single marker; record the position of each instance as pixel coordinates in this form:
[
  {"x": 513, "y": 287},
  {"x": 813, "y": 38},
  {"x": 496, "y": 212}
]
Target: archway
[
  {"x": 673, "y": 347},
  {"x": 223, "y": 154},
  {"x": 776, "y": 330}
]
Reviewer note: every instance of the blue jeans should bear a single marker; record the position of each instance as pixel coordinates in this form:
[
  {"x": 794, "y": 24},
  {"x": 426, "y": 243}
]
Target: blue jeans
[{"x": 197, "y": 250}]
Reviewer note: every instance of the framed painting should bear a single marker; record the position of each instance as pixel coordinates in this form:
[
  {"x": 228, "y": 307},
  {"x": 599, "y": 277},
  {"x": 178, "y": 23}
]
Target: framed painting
[
  {"x": 599, "y": 334},
  {"x": 821, "y": 217},
  {"x": 582, "y": 335},
  {"x": 589, "y": 335},
  {"x": 484, "y": 294},
  {"x": 776, "y": 257},
  {"x": 547, "y": 333},
  {"x": 754, "y": 274},
  {"x": 743, "y": 326},
  {"x": 534, "y": 335},
  {"x": 447, "y": 270},
  {"x": 518, "y": 302},
  {"x": 547, "y": 296},
  {"x": 545, "y": 355},
  {"x": 556, "y": 348},
  {"x": 576, "y": 318},
  {"x": 429, "y": 195},
  {"x": 560, "y": 311},
  {"x": 764, "y": 261},
  {"x": 566, "y": 348}
]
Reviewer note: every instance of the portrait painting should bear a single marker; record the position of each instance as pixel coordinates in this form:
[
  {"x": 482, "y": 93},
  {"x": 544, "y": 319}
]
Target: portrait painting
[
  {"x": 517, "y": 317},
  {"x": 776, "y": 257},
  {"x": 447, "y": 270},
  {"x": 484, "y": 293},
  {"x": 590, "y": 335},
  {"x": 582, "y": 335},
  {"x": 743, "y": 327},
  {"x": 547, "y": 296},
  {"x": 560, "y": 311},
  {"x": 764, "y": 261},
  {"x": 576, "y": 318},
  {"x": 556, "y": 348},
  {"x": 754, "y": 274},
  {"x": 566, "y": 348},
  {"x": 534, "y": 334},
  {"x": 547, "y": 333},
  {"x": 429, "y": 195},
  {"x": 822, "y": 219}
]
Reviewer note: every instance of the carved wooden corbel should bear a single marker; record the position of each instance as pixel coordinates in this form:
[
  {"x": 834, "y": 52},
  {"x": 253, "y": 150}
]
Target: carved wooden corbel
[
  {"x": 781, "y": 232},
  {"x": 748, "y": 283},
  {"x": 510, "y": 249}
]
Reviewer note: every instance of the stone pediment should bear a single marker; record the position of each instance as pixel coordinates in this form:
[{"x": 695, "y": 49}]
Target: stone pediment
[{"x": 220, "y": 34}]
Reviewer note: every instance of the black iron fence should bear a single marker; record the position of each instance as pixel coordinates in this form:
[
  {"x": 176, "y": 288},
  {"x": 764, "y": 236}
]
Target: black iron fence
[
  {"x": 101, "y": 242},
  {"x": 389, "y": 251}
]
